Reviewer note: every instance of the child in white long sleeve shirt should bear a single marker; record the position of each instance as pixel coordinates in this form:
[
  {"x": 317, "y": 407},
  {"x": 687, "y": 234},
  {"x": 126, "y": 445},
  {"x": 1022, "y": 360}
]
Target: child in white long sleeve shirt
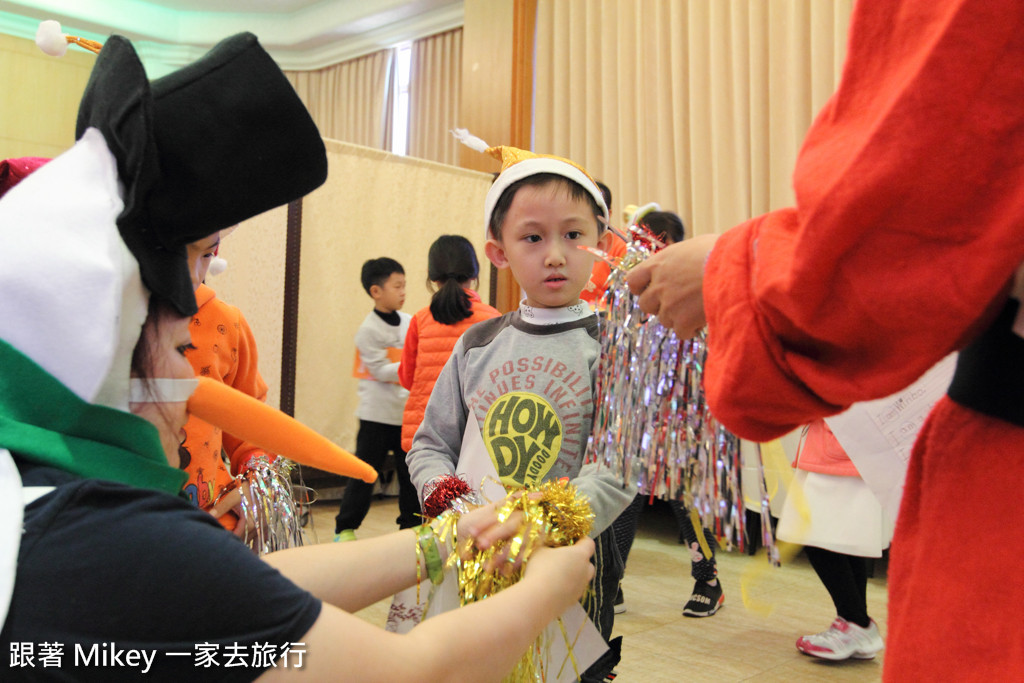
[{"x": 379, "y": 343}]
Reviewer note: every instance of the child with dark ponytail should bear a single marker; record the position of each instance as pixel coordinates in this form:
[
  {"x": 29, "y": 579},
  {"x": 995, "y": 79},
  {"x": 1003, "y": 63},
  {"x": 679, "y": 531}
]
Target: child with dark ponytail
[{"x": 452, "y": 271}]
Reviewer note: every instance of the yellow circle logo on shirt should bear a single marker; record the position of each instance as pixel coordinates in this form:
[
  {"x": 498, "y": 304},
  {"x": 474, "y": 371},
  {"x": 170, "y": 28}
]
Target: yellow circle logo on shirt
[{"x": 523, "y": 436}]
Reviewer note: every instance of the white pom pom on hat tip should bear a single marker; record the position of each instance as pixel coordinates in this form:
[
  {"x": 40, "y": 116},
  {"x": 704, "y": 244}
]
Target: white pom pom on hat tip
[
  {"x": 50, "y": 38},
  {"x": 217, "y": 266},
  {"x": 470, "y": 140}
]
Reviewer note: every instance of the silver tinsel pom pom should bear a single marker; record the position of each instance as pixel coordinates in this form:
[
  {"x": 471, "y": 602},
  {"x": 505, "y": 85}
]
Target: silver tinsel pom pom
[
  {"x": 652, "y": 425},
  {"x": 271, "y": 508}
]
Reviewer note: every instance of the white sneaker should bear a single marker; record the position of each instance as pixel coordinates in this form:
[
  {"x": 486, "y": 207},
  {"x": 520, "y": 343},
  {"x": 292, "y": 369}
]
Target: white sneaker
[{"x": 843, "y": 640}]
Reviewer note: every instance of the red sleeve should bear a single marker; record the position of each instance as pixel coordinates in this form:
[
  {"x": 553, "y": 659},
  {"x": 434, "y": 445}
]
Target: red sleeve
[
  {"x": 407, "y": 366},
  {"x": 907, "y": 226},
  {"x": 246, "y": 379}
]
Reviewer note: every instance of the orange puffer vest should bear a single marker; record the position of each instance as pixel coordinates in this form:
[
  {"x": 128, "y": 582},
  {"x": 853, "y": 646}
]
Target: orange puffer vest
[{"x": 427, "y": 348}]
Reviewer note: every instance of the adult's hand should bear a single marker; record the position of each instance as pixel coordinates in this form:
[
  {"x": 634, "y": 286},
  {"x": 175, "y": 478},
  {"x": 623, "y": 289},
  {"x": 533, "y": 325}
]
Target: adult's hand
[
  {"x": 670, "y": 284},
  {"x": 567, "y": 569}
]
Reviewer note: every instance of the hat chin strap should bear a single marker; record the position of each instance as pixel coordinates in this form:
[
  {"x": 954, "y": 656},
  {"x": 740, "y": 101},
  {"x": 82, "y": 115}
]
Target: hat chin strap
[
  {"x": 247, "y": 418},
  {"x": 161, "y": 390}
]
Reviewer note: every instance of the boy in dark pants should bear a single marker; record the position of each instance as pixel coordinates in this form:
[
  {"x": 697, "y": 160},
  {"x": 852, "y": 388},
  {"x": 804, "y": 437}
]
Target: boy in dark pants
[
  {"x": 379, "y": 343},
  {"x": 525, "y": 380}
]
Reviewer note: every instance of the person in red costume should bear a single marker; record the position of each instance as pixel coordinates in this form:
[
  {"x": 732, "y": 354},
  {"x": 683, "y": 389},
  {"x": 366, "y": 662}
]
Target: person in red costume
[{"x": 902, "y": 247}]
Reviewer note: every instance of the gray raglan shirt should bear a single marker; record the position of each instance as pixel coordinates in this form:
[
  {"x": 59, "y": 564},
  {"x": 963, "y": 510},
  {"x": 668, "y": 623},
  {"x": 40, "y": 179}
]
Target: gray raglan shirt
[{"x": 531, "y": 390}]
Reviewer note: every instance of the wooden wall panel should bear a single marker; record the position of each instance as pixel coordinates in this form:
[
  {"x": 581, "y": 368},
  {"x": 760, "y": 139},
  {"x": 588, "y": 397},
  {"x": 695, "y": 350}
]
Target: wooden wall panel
[
  {"x": 497, "y": 94},
  {"x": 486, "y": 78},
  {"x": 41, "y": 94}
]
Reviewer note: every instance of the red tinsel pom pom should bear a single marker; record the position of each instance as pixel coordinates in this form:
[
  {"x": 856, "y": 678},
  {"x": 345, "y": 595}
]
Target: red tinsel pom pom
[
  {"x": 643, "y": 235},
  {"x": 444, "y": 491}
]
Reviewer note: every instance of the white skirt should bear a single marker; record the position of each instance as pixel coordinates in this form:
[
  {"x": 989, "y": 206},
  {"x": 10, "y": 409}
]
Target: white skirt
[{"x": 836, "y": 513}]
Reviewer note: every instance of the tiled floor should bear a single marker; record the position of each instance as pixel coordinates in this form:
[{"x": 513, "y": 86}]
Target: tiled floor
[{"x": 739, "y": 643}]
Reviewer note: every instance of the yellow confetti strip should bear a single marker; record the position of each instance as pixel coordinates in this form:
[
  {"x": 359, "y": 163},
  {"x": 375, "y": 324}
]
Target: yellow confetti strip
[{"x": 774, "y": 458}]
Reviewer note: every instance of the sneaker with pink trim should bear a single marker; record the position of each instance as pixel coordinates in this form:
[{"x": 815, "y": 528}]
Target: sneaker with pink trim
[{"x": 843, "y": 640}]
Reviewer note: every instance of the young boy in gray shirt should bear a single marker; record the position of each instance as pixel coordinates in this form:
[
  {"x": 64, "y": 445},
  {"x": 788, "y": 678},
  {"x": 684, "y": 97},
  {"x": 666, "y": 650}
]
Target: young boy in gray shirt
[{"x": 526, "y": 379}]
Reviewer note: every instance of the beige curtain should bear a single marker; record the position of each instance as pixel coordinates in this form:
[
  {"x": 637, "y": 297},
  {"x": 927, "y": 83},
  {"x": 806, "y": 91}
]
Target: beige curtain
[
  {"x": 351, "y": 101},
  {"x": 699, "y": 105},
  {"x": 434, "y": 94}
]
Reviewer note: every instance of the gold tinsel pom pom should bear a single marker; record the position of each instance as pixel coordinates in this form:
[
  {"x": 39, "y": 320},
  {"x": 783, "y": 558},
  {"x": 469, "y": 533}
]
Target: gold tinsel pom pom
[{"x": 554, "y": 514}]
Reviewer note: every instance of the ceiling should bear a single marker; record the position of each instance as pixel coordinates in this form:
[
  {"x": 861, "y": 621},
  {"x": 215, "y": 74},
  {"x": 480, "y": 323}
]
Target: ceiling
[{"x": 300, "y": 34}]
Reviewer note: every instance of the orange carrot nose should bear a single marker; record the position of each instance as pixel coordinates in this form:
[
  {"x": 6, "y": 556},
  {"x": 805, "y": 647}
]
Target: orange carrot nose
[{"x": 246, "y": 418}]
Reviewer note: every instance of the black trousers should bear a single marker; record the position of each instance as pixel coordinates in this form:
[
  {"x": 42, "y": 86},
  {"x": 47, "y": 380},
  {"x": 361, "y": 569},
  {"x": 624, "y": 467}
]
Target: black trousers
[
  {"x": 373, "y": 443},
  {"x": 599, "y": 600},
  {"x": 704, "y": 569},
  {"x": 846, "y": 580},
  {"x": 599, "y": 603}
]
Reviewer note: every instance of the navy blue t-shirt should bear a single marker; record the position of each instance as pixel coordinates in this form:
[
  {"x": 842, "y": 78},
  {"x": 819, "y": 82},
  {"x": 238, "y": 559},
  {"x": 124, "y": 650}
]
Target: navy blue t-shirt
[{"x": 119, "y": 580}]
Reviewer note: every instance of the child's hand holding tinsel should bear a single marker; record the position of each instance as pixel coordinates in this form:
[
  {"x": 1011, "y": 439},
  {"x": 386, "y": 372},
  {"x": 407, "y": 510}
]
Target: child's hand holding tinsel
[
  {"x": 266, "y": 504},
  {"x": 482, "y": 529}
]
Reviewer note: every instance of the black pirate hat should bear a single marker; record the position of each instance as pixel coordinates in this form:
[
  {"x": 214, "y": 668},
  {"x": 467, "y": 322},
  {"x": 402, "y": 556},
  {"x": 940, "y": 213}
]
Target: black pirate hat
[{"x": 218, "y": 141}]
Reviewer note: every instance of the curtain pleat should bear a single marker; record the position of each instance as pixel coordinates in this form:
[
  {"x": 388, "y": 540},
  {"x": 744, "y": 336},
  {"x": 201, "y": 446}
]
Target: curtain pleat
[
  {"x": 434, "y": 96},
  {"x": 351, "y": 101},
  {"x": 699, "y": 105}
]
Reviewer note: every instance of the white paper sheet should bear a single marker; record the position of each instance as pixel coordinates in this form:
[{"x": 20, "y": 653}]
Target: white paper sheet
[
  {"x": 477, "y": 468},
  {"x": 475, "y": 464},
  {"x": 878, "y": 435}
]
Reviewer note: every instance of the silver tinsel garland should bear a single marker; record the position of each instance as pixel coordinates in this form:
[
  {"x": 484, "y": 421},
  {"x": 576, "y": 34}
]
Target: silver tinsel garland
[
  {"x": 652, "y": 425},
  {"x": 275, "y": 514}
]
